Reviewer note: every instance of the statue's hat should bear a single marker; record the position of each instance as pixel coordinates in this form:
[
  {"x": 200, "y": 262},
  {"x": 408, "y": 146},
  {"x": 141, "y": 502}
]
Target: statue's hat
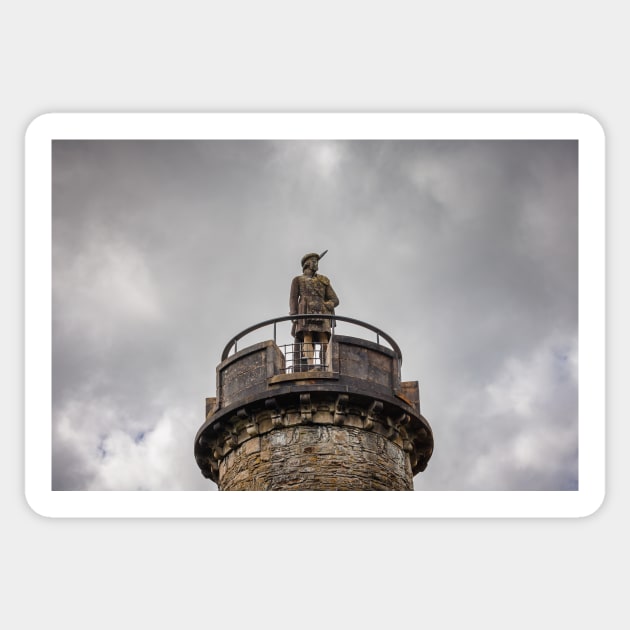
[
  {"x": 312, "y": 255},
  {"x": 307, "y": 256}
]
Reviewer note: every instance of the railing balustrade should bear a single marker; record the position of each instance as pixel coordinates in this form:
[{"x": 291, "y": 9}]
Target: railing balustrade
[
  {"x": 305, "y": 357},
  {"x": 380, "y": 335}
]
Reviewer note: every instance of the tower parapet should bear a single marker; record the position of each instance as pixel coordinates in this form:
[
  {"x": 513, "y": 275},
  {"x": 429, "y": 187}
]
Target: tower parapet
[{"x": 331, "y": 416}]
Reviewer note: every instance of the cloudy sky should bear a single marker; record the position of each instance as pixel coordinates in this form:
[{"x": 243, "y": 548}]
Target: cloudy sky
[{"x": 465, "y": 252}]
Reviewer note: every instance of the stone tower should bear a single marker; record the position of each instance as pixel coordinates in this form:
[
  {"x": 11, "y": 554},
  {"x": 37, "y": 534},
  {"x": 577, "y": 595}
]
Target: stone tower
[{"x": 341, "y": 420}]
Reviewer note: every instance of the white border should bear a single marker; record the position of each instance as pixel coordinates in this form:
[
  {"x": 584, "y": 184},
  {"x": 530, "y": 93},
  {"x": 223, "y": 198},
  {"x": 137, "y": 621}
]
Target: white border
[{"x": 581, "y": 127}]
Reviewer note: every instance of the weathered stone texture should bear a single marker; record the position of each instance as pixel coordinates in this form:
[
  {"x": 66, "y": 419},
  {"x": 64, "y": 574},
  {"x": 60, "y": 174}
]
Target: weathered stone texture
[
  {"x": 246, "y": 370},
  {"x": 318, "y": 457}
]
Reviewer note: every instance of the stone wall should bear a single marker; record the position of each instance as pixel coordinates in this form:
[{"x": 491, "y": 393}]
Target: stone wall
[{"x": 317, "y": 457}]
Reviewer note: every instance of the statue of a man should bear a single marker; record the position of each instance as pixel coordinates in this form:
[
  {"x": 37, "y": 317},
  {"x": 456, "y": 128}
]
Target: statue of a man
[{"x": 312, "y": 293}]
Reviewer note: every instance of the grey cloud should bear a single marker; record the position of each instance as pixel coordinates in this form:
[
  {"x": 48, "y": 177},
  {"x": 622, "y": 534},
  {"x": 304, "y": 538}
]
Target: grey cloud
[{"x": 466, "y": 252}]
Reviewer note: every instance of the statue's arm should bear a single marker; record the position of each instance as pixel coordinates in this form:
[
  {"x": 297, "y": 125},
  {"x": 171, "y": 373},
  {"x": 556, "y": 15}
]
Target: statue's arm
[
  {"x": 331, "y": 296},
  {"x": 293, "y": 298}
]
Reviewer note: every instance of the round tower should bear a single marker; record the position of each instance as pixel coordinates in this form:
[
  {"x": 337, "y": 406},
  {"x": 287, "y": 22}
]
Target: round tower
[{"x": 313, "y": 416}]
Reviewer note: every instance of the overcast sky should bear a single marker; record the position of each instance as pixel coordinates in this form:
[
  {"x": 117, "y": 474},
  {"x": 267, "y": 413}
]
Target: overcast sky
[{"x": 465, "y": 252}]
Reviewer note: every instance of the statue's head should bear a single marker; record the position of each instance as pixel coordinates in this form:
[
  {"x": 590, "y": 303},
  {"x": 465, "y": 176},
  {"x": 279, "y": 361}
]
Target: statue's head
[{"x": 310, "y": 260}]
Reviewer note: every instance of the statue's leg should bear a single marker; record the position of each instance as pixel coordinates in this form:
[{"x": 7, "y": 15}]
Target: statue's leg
[
  {"x": 324, "y": 346},
  {"x": 309, "y": 348},
  {"x": 296, "y": 356},
  {"x": 325, "y": 351}
]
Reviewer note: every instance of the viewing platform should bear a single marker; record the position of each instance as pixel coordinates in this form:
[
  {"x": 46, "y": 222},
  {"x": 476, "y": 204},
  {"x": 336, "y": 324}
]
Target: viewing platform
[{"x": 351, "y": 383}]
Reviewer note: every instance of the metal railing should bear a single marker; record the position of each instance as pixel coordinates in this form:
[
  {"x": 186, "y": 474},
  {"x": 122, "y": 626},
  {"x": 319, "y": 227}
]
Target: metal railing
[
  {"x": 305, "y": 357},
  {"x": 233, "y": 343}
]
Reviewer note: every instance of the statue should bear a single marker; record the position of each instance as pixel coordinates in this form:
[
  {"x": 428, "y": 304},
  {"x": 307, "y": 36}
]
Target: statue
[{"x": 312, "y": 293}]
